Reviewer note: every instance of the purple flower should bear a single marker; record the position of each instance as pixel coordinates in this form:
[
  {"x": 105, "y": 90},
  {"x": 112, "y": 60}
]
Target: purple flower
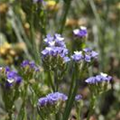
[
  {"x": 11, "y": 77},
  {"x": 30, "y": 64},
  {"x": 77, "y": 56},
  {"x": 87, "y": 55},
  {"x": 90, "y": 53},
  {"x": 18, "y": 79},
  {"x": 94, "y": 54},
  {"x": 56, "y": 51},
  {"x": 7, "y": 69},
  {"x": 42, "y": 101},
  {"x": 87, "y": 58},
  {"x": 66, "y": 59},
  {"x": 87, "y": 50},
  {"x": 98, "y": 78},
  {"x": 50, "y": 51},
  {"x": 46, "y": 51},
  {"x": 49, "y": 40},
  {"x": 11, "y": 74},
  {"x": 57, "y": 41},
  {"x": 52, "y": 99},
  {"x": 91, "y": 80},
  {"x": 82, "y": 32},
  {"x": 25, "y": 63},
  {"x": 78, "y": 97}
]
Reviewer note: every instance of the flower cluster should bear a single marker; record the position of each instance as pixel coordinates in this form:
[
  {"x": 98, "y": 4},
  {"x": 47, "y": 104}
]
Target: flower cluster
[
  {"x": 98, "y": 78},
  {"x": 29, "y": 64},
  {"x": 82, "y": 32},
  {"x": 56, "y": 52},
  {"x": 52, "y": 99},
  {"x": 11, "y": 77},
  {"x": 56, "y": 40},
  {"x": 56, "y": 48},
  {"x": 85, "y": 55}
]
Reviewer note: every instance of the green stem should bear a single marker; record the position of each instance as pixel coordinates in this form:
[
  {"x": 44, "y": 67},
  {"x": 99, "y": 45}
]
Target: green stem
[
  {"x": 67, "y": 112},
  {"x": 34, "y": 46},
  {"x": 19, "y": 31},
  {"x": 79, "y": 107},
  {"x": 51, "y": 81},
  {"x": 94, "y": 9},
  {"x": 7, "y": 98},
  {"x": 92, "y": 106},
  {"x": 57, "y": 116},
  {"x": 66, "y": 9},
  {"x": 22, "y": 111},
  {"x": 72, "y": 93},
  {"x": 40, "y": 114},
  {"x": 71, "y": 88},
  {"x": 56, "y": 80},
  {"x": 10, "y": 116},
  {"x": 78, "y": 114}
]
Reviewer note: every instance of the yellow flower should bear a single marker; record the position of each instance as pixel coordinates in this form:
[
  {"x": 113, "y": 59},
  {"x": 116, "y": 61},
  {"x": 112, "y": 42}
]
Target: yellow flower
[
  {"x": 71, "y": 22},
  {"x": 52, "y": 5},
  {"x": 3, "y": 7},
  {"x": 4, "y": 48},
  {"x": 118, "y": 6}
]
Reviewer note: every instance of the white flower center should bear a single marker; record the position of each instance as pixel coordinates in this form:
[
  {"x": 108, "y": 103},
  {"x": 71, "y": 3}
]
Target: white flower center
[
  {"x": 104, "y": 74},
  {"x": 10, "y": 80}
]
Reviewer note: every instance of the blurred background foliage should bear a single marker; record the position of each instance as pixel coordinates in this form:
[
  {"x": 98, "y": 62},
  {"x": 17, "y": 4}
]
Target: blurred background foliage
[{"x": 24, "y": 25}]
